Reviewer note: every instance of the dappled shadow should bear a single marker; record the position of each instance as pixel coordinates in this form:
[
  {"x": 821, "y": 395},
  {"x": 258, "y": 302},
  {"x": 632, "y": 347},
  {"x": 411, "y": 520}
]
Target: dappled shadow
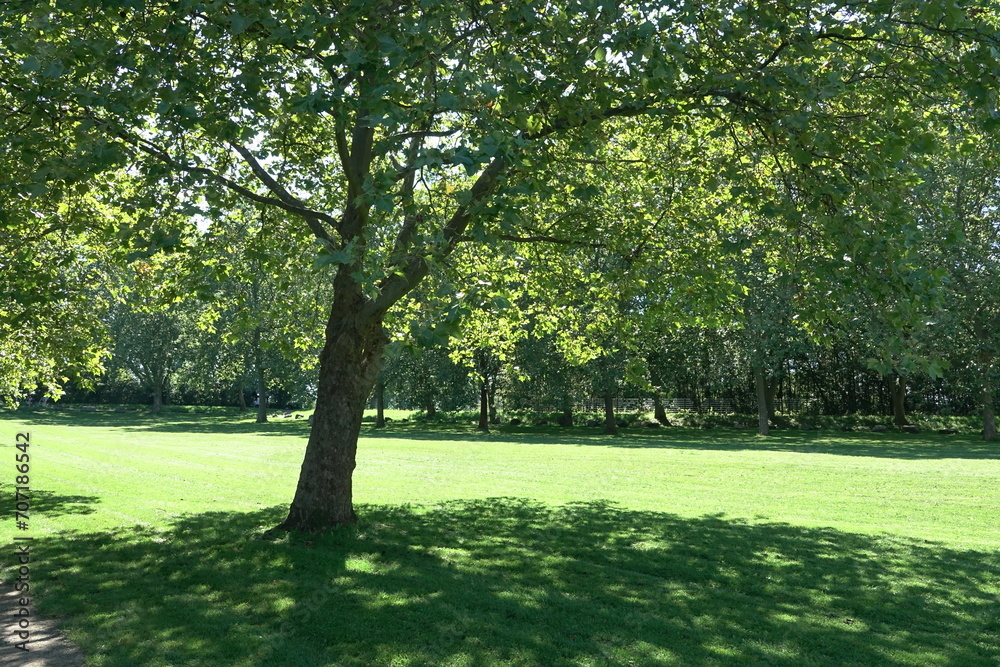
[
  {"x": 511, "y": 581},
  {"x": 54, "y": 504}
]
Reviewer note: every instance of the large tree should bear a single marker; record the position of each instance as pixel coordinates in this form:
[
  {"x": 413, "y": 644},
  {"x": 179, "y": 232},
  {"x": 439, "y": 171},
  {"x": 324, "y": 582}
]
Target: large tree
[{"x": 393, "y": 129}]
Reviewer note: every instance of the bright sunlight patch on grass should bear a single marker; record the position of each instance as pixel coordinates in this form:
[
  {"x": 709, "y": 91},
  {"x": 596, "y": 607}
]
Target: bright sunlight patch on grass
[{"x": 531, "y": 547}]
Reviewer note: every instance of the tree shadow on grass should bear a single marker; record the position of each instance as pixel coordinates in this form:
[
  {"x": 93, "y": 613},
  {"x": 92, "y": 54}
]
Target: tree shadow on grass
[
  {"x": 232, "y": 424},
  {"x": 53, "y": 504},
  {"x": 510, "y": 581},
  {"x": 878, "y": 445}
]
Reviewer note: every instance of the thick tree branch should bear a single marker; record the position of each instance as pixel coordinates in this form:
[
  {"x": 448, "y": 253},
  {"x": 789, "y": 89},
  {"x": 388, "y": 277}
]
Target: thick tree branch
[
  {"x": 774, "y": 56},
  {"x": 415, "y": 267},
  {"x": 344, "y": 153},
  {"x": 311, "y": 217},
  {"x": 411, "y": 218}
]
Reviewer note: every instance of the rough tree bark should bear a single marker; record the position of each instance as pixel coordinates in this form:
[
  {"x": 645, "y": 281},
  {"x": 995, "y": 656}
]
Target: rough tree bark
[
  {"x": 491, "y": 396},
  {"x": 355, "y": 340},
  {"x": 349, "y": 366},
  {"x": 770, "y": 390}
]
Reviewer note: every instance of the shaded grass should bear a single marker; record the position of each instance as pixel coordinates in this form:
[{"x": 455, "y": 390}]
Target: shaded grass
[
  {"x": 658, "y": 547},
  {"x": 513, "y": 581}
]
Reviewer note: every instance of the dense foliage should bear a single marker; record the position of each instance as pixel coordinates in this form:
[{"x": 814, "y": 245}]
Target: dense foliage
[{"x": 751, "y": 168}]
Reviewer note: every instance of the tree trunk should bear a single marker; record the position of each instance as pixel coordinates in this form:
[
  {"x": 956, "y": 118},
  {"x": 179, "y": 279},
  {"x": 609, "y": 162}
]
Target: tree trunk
[
  {"x": 349, "y": 366},
  {"x": 567, "y": 412},
  {"x": 157, "y": 396},
  {"x": 610, "y": 426},
  {"x": 491, "y": 402},
  {"x": 261, "y": 395},
  {"x": 243, "y": 398},
  {"x": 770, "y": 389},
  {"x": 989, "y": 412},
  {"x": 659, "y": 413},
  {"x": 379, "y": 404},
  {"x": 899, "y": 400},
  {"x": 989, "y": 424},
  {"x": 484, "y": 407},
  {"x": 760, "y": 387},
  {"x": 986, "y": 398},
  {"x": 431, "y": 410}
]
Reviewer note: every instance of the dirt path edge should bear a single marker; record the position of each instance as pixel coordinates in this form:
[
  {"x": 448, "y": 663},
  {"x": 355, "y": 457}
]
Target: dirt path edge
[{"x": 47, "y": 647}]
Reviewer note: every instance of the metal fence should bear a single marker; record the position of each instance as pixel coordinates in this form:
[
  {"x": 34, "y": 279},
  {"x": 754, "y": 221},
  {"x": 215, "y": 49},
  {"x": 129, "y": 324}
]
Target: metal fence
[{"x": 719, "y": 405}]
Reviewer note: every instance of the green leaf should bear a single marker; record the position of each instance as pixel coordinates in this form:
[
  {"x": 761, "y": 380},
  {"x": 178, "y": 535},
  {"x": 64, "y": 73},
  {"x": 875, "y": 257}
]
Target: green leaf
[
  {"x": 327, "y": 257},
  {"x": 239, "y": 23}
]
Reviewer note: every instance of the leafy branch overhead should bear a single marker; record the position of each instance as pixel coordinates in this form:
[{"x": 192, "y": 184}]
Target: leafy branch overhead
[{"x": 391, "y": 134}]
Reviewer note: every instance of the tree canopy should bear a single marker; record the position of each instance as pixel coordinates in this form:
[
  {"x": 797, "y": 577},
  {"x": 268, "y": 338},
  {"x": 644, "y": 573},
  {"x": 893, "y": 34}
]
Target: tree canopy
[{"x": 396, "y": 131}]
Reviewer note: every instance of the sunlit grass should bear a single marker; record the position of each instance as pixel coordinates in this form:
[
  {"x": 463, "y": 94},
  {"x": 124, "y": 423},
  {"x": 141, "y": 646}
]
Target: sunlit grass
[{"x": 529, "y": 547}]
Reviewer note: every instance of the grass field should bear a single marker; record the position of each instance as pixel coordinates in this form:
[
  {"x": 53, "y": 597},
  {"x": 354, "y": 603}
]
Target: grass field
[{"x": 521, "y": 547}]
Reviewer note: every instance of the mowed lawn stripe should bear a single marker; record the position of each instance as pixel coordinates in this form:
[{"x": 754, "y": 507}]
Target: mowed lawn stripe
[
  {"x": 145, "y": 473},
  {"x": 955, "y": 500}
]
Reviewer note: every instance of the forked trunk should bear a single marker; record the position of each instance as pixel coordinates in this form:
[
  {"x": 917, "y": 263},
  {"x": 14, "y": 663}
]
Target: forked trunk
[
  {"x": 484, "y": 408},
  {"x": 349, "y": 366},
  {"x": 760, "y": 388},
  {"x": 899, "y": 400},
  {"x": 610, "y": 426}
]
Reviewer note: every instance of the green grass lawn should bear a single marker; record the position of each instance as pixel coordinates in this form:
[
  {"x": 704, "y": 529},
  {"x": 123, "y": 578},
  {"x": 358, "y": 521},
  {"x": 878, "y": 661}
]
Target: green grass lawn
[{"x": 528, "y": 546}]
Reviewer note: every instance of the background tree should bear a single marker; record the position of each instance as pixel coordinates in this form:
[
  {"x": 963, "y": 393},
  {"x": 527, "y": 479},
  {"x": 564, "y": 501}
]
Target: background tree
[
  {"x": 150, "y": 329},
  {"x": 964, "y": 178},
  {"x": 266, "y": 300}
]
